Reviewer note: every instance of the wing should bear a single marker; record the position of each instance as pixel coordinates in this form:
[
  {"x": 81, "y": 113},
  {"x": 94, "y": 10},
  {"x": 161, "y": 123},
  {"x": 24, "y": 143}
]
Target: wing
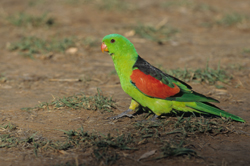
[{"x": 154, "y": 83}]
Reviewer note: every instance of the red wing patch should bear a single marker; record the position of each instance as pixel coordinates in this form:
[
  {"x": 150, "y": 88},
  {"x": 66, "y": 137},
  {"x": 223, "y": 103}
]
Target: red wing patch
[{"x": 151, "y": 86}]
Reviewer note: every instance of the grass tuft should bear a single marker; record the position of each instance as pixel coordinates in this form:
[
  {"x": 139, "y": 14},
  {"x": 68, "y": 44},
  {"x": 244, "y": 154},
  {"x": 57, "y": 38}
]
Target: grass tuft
[
  {"x": 7, "y": 141},
  {"x": 246, "y": 51},
  {"x": 90, "y": 42},
  {"x": 231, "y": 19},
  {"x": 189, "y": 5},
  {"x": 23, "y": 19},
  {"x": 2, "y": 78},
  {"x": 170, "y": 137},
  {"x": 118, "y": 5},
  {"x": 28, "y": 46},
  {"x": 96, "y": 102},
  {"x": 207, "y": 75},
  {"x": 178, "y": 3},
  {"x": 193, "y": 125},
  {"x": 9, "y": 126},
  {"x": 160, "y": 34},
  {"x": 169, "y": 150},
  {"x": 108, "y": 5}
]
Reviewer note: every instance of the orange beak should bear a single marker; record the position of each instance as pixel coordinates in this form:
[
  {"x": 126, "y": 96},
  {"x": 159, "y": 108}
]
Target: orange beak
[{"x": 104, "y": 47}]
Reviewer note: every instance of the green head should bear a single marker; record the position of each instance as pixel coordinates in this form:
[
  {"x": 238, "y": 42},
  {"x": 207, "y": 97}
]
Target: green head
[{"x": 117, "y": 46}]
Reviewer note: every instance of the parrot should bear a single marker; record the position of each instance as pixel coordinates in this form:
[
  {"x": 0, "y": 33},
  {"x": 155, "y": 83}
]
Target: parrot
[{"x": 153, "y": 89}]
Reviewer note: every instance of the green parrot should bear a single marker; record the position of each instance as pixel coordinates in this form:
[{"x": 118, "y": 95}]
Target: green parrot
[{"x": 150, "y": 88}]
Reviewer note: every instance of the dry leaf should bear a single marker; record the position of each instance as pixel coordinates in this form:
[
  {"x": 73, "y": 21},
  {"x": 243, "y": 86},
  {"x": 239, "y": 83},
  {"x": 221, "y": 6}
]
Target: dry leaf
[
  {"x": 162, "y": 23},
  {"x": 129, "y": 33},
  {"x": 147, "y": 154},
  {"x": 62, "y": 152}
]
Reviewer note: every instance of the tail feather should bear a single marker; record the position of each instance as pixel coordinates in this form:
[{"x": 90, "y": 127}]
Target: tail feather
[{"x": 205, "y": 108}]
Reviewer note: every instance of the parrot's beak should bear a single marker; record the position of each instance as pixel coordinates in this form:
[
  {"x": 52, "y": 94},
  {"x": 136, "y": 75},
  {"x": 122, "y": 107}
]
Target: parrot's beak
[{"x": 104, "y": 47}]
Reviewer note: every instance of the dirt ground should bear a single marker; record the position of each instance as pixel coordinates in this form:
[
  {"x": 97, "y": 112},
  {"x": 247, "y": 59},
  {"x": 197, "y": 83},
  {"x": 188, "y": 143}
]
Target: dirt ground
[{"x": 26, "y": 82}]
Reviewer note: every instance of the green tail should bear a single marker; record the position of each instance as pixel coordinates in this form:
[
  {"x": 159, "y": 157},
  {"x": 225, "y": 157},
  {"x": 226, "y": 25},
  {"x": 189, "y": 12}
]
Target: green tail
[{"x": 204, "y": 108}]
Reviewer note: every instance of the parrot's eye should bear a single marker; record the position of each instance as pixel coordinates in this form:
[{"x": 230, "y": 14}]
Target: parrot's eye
[{"x": 112, "y": 40}]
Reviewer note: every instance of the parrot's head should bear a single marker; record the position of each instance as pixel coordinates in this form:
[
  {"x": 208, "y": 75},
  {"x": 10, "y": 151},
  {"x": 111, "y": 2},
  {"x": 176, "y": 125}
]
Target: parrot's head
[{"x": 117, "y": 45}]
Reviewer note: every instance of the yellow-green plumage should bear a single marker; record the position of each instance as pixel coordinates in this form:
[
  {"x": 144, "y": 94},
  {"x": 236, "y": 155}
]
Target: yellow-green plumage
[{"x": 126, "y": 61}]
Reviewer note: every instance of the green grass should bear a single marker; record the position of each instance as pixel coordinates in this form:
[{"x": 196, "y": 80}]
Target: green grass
[
  {"x": 227, "y": 20},
  {"x": 29, "y": 46},
  {"x": 78, "y": 2},
  {"x": 174, "y": 134},
  {"x": 118, "y": 5},
  {"x": 185, "y": 127},
  {"x": 246, "y": 51},
  {"x": 2, "y": 77},
  {"x": 103, "y": 145},
  {"x": 6, "y": 140},
  {"x": 170, "y": 150},
  {"x": 231, "y": 19},
  {"x": 161, "y": 34},
  {"x": 23, "y": 19},
  {"x": 90, "y": 42},
  {"x": 199, "y": 125},
  {"x": 170, "y": 136},
  {"x": 32, "y": 3},
  {"x": 236, "y": 67},
  {"x": 113, "y": 72},
  {"x": 177, "y": 3},
  {"x": 108, "y": 5},
  {"x": 205, "y": 7},
  {"x": 96, "y": 102},
  {"x": 189, "y": 4},
  {"x": 8, "y": 126},
  {"x": 106, "y": 148},
  {"x": 207, "y": 75}
]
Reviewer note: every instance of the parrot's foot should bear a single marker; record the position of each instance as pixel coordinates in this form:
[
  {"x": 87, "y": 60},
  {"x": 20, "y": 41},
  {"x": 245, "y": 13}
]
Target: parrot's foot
[{"x": 125, "y": 113}]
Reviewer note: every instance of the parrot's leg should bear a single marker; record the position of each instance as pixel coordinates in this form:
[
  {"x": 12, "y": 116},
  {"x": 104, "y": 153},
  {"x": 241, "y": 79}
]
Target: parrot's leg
[{"x": 134, "y": 106}]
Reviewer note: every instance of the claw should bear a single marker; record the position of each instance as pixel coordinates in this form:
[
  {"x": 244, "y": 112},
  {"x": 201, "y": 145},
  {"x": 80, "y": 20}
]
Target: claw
[{"x": 125, "y": 113}]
